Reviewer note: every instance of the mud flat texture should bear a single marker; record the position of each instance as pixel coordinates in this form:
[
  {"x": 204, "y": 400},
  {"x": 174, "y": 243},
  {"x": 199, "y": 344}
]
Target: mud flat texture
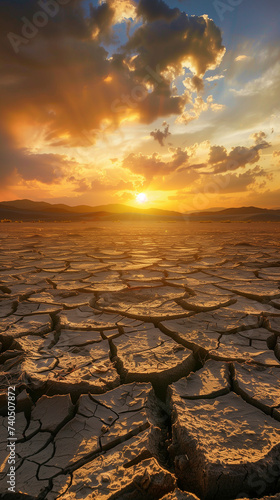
[{"x": 145, "y": 359}]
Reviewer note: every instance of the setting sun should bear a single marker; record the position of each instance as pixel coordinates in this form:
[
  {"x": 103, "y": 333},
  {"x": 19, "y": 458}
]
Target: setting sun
[{"x": 141, "y": 198}]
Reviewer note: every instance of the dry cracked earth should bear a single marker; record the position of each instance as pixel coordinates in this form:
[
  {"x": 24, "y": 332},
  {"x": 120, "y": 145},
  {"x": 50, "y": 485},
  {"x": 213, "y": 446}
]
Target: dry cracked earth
[{"x": 146, "y": 360}]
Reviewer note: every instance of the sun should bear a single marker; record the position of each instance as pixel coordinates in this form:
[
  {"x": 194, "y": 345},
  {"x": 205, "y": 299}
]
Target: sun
[{"x": 141, "y": 198}]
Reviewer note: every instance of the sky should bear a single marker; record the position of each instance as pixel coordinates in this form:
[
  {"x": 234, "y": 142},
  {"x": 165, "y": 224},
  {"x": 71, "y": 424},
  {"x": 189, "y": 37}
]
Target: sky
[{"x": 152, "y": 103}]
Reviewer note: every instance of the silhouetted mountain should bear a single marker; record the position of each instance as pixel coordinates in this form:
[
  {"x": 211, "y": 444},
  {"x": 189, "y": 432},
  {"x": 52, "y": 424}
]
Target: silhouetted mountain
[
  {"x": 233, "y": 211},
  {"x": 33, "y": 210},
  {"x": 240, "y": 214},
  {"x": 26, "y": 210}
]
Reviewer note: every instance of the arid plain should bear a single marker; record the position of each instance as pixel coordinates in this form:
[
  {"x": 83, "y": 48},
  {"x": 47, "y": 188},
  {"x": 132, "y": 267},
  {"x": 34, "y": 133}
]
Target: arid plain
[{"x": 146, "y": 359}]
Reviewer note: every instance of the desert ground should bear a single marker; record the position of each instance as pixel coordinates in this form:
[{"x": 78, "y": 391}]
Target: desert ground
[{"x": 146, "y": 360}]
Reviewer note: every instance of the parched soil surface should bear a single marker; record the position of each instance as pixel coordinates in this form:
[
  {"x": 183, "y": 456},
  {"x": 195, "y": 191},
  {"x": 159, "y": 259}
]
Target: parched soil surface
[{"x": 145, "y": 359}]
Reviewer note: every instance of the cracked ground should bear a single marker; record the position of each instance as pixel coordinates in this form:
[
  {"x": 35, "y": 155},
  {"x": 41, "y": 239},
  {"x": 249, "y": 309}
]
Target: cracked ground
[{"x": 146, "y": 360}]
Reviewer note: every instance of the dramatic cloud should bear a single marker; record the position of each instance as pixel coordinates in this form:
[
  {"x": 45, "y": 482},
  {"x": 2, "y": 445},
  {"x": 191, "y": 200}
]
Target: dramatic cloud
[
  {"x": 156, "y": 9},
  {"x": 83, "y": 84},
  {"x": 236, "y": 183},
  {"x": 239, "y": 156},
  {"x": 104, "y": 16},
  {"x": 199, "y": 106},
  {"x": 159, "y": 136},
  {"x": 181, "y": 42},
  {"x": 22, "y": 165},
  {"x": 153, "y": 165},
  {"x": 219, "y": 174},
  {"x": 217, "y": 154},
  {"x": 206, "y": 188},
  {"x": 59, "y": 78},
  {"x": 124, "y": 9},
  {"x": 260, "y": 140},
  {"x": 194, "y": 84},
  {"x": 62, "y": 79}
]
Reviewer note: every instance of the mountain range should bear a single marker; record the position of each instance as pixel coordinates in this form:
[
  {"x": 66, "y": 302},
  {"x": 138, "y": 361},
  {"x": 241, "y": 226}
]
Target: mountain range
[{"x": 27, "y": 210}]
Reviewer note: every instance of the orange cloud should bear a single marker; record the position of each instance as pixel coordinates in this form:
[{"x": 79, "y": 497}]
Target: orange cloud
[{"x": 64, "y": 80}]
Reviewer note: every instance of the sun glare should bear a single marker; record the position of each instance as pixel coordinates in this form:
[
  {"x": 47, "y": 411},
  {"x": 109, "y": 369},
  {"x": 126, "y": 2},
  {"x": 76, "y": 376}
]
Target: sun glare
[{"x": 141, "y": 198}]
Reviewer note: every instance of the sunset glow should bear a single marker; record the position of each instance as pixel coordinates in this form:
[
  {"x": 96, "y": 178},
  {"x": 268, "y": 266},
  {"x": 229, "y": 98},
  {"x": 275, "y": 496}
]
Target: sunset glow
[
  {"x": 118, "y": 97},
  {"x": 141, "y": 198}
]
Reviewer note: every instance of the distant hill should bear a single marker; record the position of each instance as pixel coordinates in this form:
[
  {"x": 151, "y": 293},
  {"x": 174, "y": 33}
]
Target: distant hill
[
  {"x": 27, "y": 210},
  {"x": 240, "y": 214},
  {"x": 32, "y": 210},
  {"x": 235, "y": 211}
]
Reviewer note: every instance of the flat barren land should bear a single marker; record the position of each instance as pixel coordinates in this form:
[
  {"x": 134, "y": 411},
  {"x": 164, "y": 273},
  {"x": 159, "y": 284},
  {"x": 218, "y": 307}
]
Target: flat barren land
[{"x": 145, "y": 359}]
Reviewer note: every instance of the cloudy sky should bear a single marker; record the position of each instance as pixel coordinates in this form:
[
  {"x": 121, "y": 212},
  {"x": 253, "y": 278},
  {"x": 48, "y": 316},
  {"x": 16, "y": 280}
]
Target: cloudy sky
[{"x": 103, "y": 101}]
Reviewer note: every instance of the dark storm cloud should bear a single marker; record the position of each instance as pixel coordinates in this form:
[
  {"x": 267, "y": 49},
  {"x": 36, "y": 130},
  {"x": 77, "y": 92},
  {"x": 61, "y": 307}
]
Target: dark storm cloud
[
  {"x": 194, "y": 42},
  {"x": 102, "y": 19},
  {"x": 58, "y": 77},
  {"x": 57, "y": 19},
  {"x": 152, "y": 10}
]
